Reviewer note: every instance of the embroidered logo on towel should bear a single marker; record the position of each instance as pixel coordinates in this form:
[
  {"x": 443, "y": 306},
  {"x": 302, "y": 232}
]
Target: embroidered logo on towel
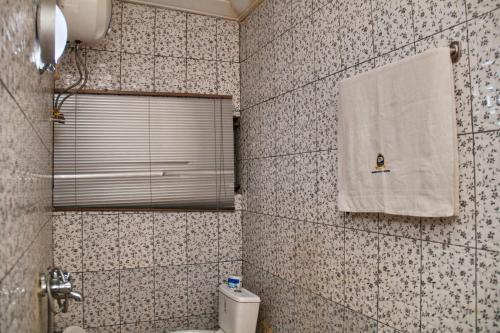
[{"x": 380, "y": 165}]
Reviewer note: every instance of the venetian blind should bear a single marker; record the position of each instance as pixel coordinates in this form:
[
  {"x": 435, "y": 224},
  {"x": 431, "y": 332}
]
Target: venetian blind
[{"x": 118, "y": 151}]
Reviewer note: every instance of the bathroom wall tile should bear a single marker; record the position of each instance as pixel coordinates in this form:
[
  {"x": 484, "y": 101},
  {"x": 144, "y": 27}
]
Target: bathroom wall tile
[
  {"x": 457, "y": 230},
  {"x": 303, "y": 53},
  {"x": 285, "y": 190},
  {"x": 356, "y": 32},
  {"x": 136, "y": 240},
  {"x": 230, "y": 236},
  {"x": 202, "y": 289},
  {"x": 487, "y": 159},
  {"x": 395, "y": 56},
  {"x": 201, "y": 37},
  {"x": 205, "y": 322},
  {"x": 143, "y": 327},
  {"x": 228, "y": 36},
  {"x": 460, "y": 72},
  {"x": 300, "y": 10},
  {"x": 170, "y": 325},
  {"x": 228, "y": 78},
  {"x": 100, "y": 242},
  {"x": 267, "y": 83},
  {"x": 267, "y": 132},
  {"x": 137, "y": 72},
  {"x": 447, "y": 288},
  {"x": 104, "y": 70},
  {"x": 282, "y": 21},
  {"x": 484, "y": 39},
  {"x": 202, "y": 238},
  {"x": 268, "y": 186},
  {"x": 361, "y": 252},
  {"x": 68, "y": 70},
  {"x": 113, "y": 39},
  {"x": 105, "y": 329},
  {"x": 399, "y": 283},
  {"x": 170, "y": 74},
  {"x": 170, "y": 33},
  {"x": 249, "y": 236},
  {"x": 282, "y": 309},
  {"x": 68, "y": 241},
  {"x": 227, "y": 268},
  {"x": 266, "y": 14},
  {"x": 329, "y": 282},
  {"x": 137, "y": 295},
  {"x": 397, "y": 225},
  {"x": 283, "y": 248},
  {"x": 327, "y": 41},
  {"x": 101, "y": 298},
  {"x": 305, "y": 119},
  {"x": 385, "y": 329},
  {"x": 330, "y": 316},
  {"x": 74, "y": 316},
  {"x": 432, "y": 16},
  {"x": 201, "y": 76},
  {"x": 138, "y": 28},
  {"x": 393, "y": 25},
  {"x": 243, "y": 39},
  {"x": 306, "y": 254},
  {"x": 362, "y": 221},
  {"x": 255, "y": 184},
  {"x": 305, "y": 319},
  {"x": 306, "y": 186},
  {"x": 171, "y": 288},
  {"x": 253, "y": 32},
  {"x": 284, "y": 62},
  {"x": 170, "y": 238},
  {"x": 284, "y": 124},
  {"x": 478, "y": 7},
  {"x": 328, "y": 212},
  {"x": 327, "y": 97},
  {"x": 488, "y": 294},
  {"x": 357, "y": 323}
]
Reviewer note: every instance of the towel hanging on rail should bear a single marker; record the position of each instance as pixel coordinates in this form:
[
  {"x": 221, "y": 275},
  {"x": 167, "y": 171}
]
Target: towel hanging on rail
[{"x": 398, "y": 151}]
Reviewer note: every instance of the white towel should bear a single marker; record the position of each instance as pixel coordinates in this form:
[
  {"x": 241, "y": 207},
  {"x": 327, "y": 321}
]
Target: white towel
[{"x": 403, "y": 114}]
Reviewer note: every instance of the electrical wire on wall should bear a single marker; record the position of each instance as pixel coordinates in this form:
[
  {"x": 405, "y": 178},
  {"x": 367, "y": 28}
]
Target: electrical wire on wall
[{"x": 57, "y": 116}]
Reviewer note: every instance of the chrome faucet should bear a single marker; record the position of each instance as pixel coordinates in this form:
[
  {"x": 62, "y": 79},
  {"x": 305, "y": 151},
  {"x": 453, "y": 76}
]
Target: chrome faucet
[{"x": 57, "y": 284}]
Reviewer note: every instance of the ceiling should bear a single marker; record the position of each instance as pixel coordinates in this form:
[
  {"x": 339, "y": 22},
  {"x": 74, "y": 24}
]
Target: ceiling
[{"x": 230, "y": 9}]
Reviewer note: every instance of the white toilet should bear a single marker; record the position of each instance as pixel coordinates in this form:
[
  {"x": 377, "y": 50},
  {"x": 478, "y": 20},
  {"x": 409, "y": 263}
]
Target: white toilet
[{"x": 238, "y": 311}]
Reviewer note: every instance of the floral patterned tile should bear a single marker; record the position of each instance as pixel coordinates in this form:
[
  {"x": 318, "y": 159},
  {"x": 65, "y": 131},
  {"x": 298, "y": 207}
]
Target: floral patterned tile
[
  {"x": 68, "y": 70},
  {"x": 282, "y": 309},
  {"x": 397, "y": 225},
  {"x": 362, "y": 221},
  {"x": 254, "y": 186},
  {"x": 478, "y": 7},
  {"x": 170, "y": 33},
  {"x": 202, "y": 288},
  {"x": 330, "y": 316},
  {"x": 170, "y": 74},
  {"x": 305, "y": 318},
  {"x": 306, "y": 253},
  {"x": 253, "y": 32},
  {"x": 141, "y": 327},
  {"x": 460, "y": 72},
  {"x": 171, "y": 288},
  {"x": 488, "y": 294},
  {"x": 385, "y": 329},
  {"x": 170, "y": 238},
  {"x": 327, "y": 92},
  {"x": 201, "y": 37},
  {"x": 484, "y": 38},
  {"x": 104, "y": 329},
  {"x": 201, "y": 76},
  {"x": 393, "y": 26},
  {"x": 137, "y": 72},
  {"x": 138, "y": 28},
  {"x": 327, "y": 41},
  {"x": 266, "y": 22},
  {"x": 228, "y": 268},
  {"x": 202, "y": 238},
  {"x": 303, "y": 53},
  {"x": 170, "y": 325},
  {"x": 137, "y": 295},
  {"x": 136, "y": 240},
  {"x": 74, "y": 316},
  {"x": 228, "y": 80},
  {"x": 267, "y": 83},
  {"x": 361, "y": 271},
  {"x": 447, "y": 288},
  {"x": 487, "y": 158},
  {"x": 394, "y": 56},
  {"x": 283, "y": 124},
  {"x": 285, "y": 191},
  {"x": 328, "y": 212},
  {"x": 329, "y": 281},
  {"x": 301, "y": 9},
  {"x": 113, "y": 39},
  {"x": 230, "y": 236},
  {"x": 100, "y": 242},
  {"x": 356, "y": 32},
  {"x": 457, "y": 230},
  {"x": 104, "y": 70},
  {"x": 306, "y": 186},
  {"x": 283, "y": 248},
  {"x": 283, "y": 60},
  {"x": 267, "y": 132},
  {"x": 205, "y": 322},
  {"x": 102, "y": 298},
  {"x": 283, "y": 21},
  {"x": 432, "y": 16},
  {"x": 305, "y": 119},
  {"x": 228, "y": 36},
  {"x": 67, "y": 236},
  {"x": 243, "y": 40},
  {"x": 357, "y": 323},
  {"x": 399, "y": 283}
]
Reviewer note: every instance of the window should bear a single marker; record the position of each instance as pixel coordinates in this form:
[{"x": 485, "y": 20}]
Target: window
[{"x": 117, "y": 151}]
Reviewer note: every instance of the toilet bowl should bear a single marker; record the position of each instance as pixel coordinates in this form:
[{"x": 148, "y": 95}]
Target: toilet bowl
[
  {"x": 74, "y": 329},
  {"x": 238, "y": 310}
]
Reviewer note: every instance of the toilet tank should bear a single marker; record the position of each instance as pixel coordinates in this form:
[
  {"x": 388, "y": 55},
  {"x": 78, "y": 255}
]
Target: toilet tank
[{"x": 238, "y": 310}]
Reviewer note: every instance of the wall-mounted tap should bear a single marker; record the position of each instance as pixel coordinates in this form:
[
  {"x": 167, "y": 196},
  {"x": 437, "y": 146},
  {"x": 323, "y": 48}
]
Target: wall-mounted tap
[{"x": 57, "y": 284}]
